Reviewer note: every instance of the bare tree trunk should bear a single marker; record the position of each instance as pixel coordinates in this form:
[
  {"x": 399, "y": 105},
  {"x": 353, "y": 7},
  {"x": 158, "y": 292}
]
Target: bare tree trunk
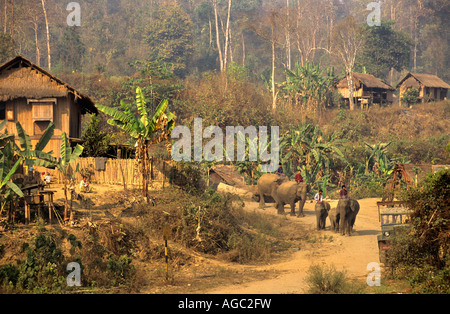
[
  {"x": 6, "y": 18},
  {"x": 350, "y": 89},
  {"x": 243, "y": 50},
  {"x": 227, "y": 35},
  {"x": 48, "y": 37},
  {"x": 210, "y": 33},
  {"x": 218, "y": 35},
  {"x": 274, "y": 95},
  {"x": 38, "y": 52},
  {"x": 288, "y": 37}
]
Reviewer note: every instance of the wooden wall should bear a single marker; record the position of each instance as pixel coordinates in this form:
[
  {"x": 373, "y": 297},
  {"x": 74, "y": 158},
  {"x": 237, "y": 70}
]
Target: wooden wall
[
  {"x": 66, "y": 117},
  {"x": 117, "y": 171}
]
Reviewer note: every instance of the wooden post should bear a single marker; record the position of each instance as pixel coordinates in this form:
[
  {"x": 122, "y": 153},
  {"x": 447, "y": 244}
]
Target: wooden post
[
  {"x": 166, "y": 235},
  {"x": 163, "y": 173}
]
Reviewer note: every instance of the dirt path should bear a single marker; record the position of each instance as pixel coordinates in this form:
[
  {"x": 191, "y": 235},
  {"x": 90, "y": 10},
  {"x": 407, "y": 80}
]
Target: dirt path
[{"x": 352, "y": 253}]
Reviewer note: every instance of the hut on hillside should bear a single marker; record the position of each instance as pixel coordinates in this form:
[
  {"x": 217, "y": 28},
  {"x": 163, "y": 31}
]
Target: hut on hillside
[
  {"x": 430, "y": 87},
  {"x": 225, "y": 174},
  {"x": 367, "y": 90},
  {"x": 34, "y": 97}
]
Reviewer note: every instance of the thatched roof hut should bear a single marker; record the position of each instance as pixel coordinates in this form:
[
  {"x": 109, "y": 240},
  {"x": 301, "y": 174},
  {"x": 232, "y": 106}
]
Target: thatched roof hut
[
  {"x": 430, "y": 87},
  {"x": 21, "y": 78},
  {"x": 34, "y": 97},
  {"x": 367, "y": 89},
  {"x": 225, "y": 174}
]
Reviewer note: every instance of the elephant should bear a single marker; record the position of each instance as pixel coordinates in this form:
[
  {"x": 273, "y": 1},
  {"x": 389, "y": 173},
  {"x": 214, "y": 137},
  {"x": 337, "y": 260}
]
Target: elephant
[
  {"x": 347, "y": 209},
  {"x": 334, "y": 216},
  {"x": 290, "y": 192},
  {"x": 266, "y": 184},
  {"x": 321, "y": 209}
]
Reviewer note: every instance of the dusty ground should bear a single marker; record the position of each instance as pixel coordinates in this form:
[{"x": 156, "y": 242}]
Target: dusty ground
[
  {"x": 286, "y": 274},
  {"x": 352, "y": 253}
]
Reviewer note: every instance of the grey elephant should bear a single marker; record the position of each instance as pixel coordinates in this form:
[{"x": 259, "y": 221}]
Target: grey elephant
[
  {"x": 321, "y": 209},
  {"x": 291, "y": 192},
  {"x": 265, "y": 187},
  {"x": 347, "y": 209},
  {"x": 334, "y": 216}
]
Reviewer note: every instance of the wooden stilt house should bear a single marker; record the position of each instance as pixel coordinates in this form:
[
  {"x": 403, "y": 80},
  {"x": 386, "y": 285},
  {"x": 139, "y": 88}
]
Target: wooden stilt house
[
  {"x": 34, "y": 97},
  {"x": 430, "y": 87},
  {"x": 367, "y": 90}
]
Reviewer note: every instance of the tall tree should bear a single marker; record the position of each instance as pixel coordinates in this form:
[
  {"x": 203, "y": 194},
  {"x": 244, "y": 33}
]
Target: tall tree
[
  {"x": 49, "y": 58},
  {"x": 8, "y": 47},
  {"x": 170, "y": 38},
  {"x": 348, "y": 40},
  {"x": 71, "y": 49},
  {"x": 384, "y": 49}
]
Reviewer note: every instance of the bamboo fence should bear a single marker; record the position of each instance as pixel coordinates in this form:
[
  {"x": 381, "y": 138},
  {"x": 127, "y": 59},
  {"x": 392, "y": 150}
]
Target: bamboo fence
[{"x": 116, "y": 172}]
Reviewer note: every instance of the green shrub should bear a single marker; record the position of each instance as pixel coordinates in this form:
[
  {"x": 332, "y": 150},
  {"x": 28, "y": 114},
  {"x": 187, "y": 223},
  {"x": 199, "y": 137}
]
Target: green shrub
[
  {"x": 411, "y": 97},
  {"x": 328, "y": 280},
  {"x": 421, "y": 254}
]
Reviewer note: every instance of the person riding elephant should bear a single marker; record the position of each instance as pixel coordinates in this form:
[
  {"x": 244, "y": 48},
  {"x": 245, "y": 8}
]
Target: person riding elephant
[
  {"x": 321, "y": 209},
  {"x": 291, "y": 192},
  {"x": 334, "y": 216},
  {"x": 348, "y": 209}
]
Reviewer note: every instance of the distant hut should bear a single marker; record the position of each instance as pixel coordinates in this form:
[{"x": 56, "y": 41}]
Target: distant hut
[
  {"x": 430, "y": 87},
  {"x": 34, "y": 97},
  {"x": 225, "y": 174},
  {"x": 367, "y": 90}
]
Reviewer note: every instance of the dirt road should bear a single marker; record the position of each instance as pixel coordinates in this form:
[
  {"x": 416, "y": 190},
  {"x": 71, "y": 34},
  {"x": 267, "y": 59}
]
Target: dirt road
[{"x": 352, "y": 253}]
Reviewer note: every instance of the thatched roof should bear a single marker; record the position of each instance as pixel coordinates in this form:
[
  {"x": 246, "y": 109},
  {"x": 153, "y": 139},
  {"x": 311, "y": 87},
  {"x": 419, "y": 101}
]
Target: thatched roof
[
  {"x": 427, "y": 80},
  {"x": 228, "y": 174},
  {"x": 368, "y": 80},
  {"x": 21, "y": 78}
]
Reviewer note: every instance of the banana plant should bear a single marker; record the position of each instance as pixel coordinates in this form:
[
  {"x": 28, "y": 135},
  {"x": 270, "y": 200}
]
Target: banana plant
[
  {"x": 310, "y": 150},
  {"x": 5, "y": 138},
  {"x": 34, "y": 156},
  {"x": 144, "y": 129},
  {"x": 8, "y": 188},
  {"x": 378, "y": 159},
  {"x": 309, "y": 83},
  {"x": 63, "y": 164}
]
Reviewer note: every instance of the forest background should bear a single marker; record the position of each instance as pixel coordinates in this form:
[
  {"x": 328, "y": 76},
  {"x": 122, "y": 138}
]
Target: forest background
[{"x": 253, "y": 62}]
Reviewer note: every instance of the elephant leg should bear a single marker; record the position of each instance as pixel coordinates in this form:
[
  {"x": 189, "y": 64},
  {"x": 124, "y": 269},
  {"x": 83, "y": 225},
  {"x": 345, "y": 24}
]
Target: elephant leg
[
  {"x": 292, "y": 208},
  {"x": 301, "y": 204},
  {"x": 262, "y": 203},
  {"x": 343, "y": 223},
  {"x": 280, "y": 208}
]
